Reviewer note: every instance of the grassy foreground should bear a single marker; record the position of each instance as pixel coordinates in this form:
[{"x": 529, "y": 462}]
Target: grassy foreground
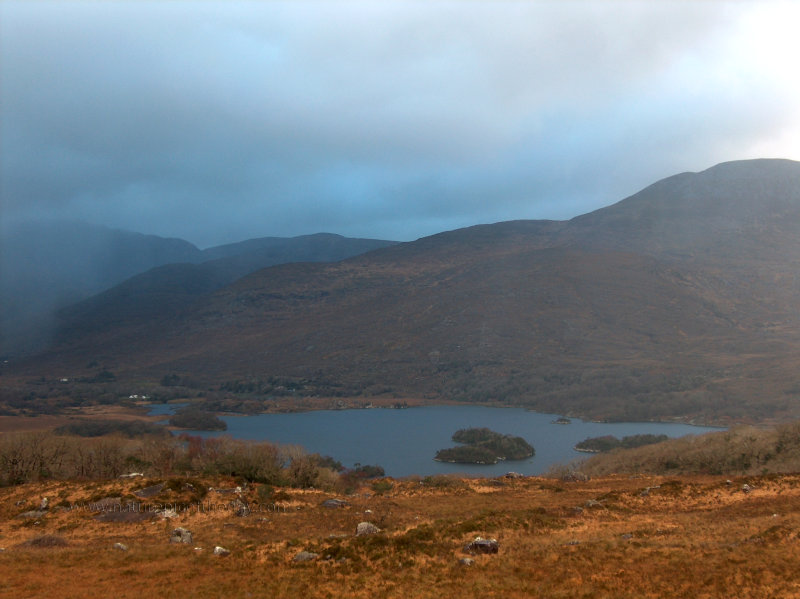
[{"x": 701, "y": 536}]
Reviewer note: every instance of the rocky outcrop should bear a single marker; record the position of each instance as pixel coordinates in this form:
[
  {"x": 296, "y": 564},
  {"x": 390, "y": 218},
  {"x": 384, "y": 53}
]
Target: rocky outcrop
[
  {"x": 366, "y": 528},
  {"x": 181, "y": 535},
  {"x": 150, "y": 491},
  {"x": 305, "y": 556},
  {"x": 480, "y": 545}
]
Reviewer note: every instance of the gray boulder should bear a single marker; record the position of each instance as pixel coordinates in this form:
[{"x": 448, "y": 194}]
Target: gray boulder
[
  {"x": 334, "y": 503},
  {"x": 305, "y": 556},
  {"x": 221, "y": 551},
  {"x": 181, "y": 535},
  {"x": 480, "y": 545},
  {"x": 120, "y": 546},
  {"x": 150, "y": 491},
  {"x": 240, "y": 508},
  {"x": 32, "y": 514},
  {"x": 366, "y": 528}
]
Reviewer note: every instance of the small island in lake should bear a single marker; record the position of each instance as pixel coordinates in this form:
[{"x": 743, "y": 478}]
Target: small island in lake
[
  {"x": 562, "y": 420},
  {"x": 484, "y": 446},
  {"x": 198, "y": 420},
  {"x": 609, "y": 442}
]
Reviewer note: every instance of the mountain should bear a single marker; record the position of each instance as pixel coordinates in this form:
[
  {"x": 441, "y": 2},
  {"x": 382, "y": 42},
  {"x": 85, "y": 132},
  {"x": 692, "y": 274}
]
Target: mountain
[
  {"x": 679, "y": 301},
  {"x": 162, "y": 293},
  {"x": 49, "y": 266}
]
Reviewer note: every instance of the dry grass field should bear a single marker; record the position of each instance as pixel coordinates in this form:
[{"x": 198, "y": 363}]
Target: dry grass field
[{"x": 617, "y": 536}]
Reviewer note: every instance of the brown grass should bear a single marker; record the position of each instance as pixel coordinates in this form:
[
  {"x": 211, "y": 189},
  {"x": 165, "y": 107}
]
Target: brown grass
[{"x": 690, "y": 536}]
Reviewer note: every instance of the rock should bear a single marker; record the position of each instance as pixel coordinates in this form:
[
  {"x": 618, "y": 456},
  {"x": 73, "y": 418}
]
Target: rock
[
  {"x": 150, "y": 491},
  {"x": 120, "y": 546},
  {"x": 334, "y": 503},
  {"x": 514, "y": 475},
  {"x": 43, "y": 505},
  {"x": 221, "y": 551},
  {"x": 574, "y": 477},
  {"x": 366, "y": 528},
  {"x": 592, "y": 503},
  {"x": 305, "y": 556},
  {"x": 132, "y": 475},
  {"x": 32, "y": 514},
  {"x": 466, "y": 561},
  {"x": 181, "y": 535},
  {"x": 746, "y": 488},
  {"x": 240, "y": 508},
  {"x": 480, "y": 545},
  {"x": 107, "y": 504},
  {"x": 168, "y": 513}
]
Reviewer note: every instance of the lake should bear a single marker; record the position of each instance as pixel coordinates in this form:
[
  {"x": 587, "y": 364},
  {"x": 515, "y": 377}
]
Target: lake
[{"x": 404, "y": 442}]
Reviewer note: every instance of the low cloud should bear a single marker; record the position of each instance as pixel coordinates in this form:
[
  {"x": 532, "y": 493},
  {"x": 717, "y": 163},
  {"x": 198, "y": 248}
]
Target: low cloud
[{"x": 221, "y": 121}]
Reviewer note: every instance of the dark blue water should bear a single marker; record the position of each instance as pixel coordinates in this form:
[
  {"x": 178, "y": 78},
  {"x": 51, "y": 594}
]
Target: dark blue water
[{"x": 404, "y": 442}]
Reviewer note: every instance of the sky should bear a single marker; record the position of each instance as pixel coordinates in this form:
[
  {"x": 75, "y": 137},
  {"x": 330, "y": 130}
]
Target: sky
[{"x": 222, "y": 121}]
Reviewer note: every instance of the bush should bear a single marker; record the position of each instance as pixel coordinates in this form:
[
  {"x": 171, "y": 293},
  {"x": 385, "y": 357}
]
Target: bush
[{"x": 99, "y": 428}]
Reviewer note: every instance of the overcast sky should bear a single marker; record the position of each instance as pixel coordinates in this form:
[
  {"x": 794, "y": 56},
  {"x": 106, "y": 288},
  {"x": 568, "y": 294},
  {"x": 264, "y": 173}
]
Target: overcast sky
[{"x": 217, "y": 122}]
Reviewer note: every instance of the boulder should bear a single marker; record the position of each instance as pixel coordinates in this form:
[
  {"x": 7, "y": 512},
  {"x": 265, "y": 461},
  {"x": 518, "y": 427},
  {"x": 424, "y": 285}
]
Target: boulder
[
  {"x": 240, "y": 508},
  {"x": 480, "y": 545},
  {"x": 120, "y": 546},
  {"x": 466, "y": 561},
  {"x": 221, "y": 551},
  {"x": 305, "y": 556},
  {"x": 43, "y": 505},
  {"x": 181, "y": 535},
  {"x": 150, "y": 491},
  {"x": 574, "y": 477},
  {"x": 334, "y": 503},
  {"x": 32, "y": 514},
  {"x": 107, "y": 504},
  {"x": 366, "y": 528}
]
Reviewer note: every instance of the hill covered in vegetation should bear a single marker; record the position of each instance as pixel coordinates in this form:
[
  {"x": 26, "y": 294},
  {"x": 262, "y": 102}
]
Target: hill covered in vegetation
[
  {"x": 679, "y": 301},
  {"x": 484, "y": 446}
]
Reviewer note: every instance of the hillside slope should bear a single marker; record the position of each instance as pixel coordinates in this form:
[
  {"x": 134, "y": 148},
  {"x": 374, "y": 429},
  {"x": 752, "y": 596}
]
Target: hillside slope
[
  {"x": 613, "y": 537},
  {"x": 676, "y": 302},
  {"x": 48, "y": 267}
]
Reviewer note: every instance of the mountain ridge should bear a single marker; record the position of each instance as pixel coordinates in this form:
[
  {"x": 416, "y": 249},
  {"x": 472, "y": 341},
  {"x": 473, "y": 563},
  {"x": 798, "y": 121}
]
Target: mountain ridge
[{"x": 618, "y": 314}]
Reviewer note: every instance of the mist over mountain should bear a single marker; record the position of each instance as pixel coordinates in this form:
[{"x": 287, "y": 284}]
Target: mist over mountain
[
  {"x": 679, "y": 301},
  {"x": 47, "y": 266}
]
